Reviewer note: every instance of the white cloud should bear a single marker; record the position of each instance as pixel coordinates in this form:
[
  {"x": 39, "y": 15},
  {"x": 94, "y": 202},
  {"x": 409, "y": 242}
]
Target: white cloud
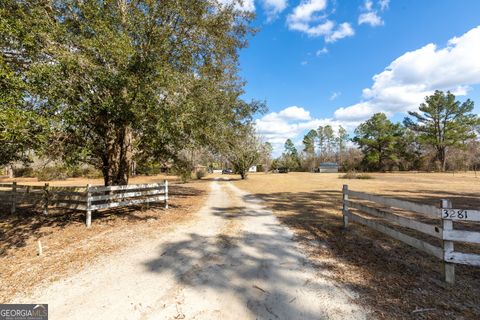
[
  {"x": 383, "y": 4},
  {"x": 370, "y": 18},
  {"x": 310, "y": 17},
  {"x": 344, "y": 30},
  {"x": 335, "y": 95},
  {"x": 368, "y": 5},
  {"x": 274, "y": 7},
  {"x": 290, "y": 123},
  {"x": 307, "y": 10},
  {"x": 403, "y": 85},
  {"x": 294, "y": 113},
  {"x": 370, "y": 15},
  {"x": 319, "y": 52},
  {"x": 320, "y": 29}
]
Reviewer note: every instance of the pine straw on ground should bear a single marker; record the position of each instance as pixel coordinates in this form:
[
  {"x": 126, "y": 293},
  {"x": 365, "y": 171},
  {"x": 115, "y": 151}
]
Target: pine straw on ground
[
  {"x": 390, "y": 278},
  {"x": 69, "y": 246}
]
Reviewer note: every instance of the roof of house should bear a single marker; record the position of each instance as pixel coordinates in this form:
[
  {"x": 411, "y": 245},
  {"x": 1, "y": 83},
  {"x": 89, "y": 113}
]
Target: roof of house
[{"x": 328, "y": 164}]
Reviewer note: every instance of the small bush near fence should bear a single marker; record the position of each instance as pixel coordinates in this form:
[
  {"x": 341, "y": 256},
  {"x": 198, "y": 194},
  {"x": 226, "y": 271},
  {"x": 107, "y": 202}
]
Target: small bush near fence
[
  {"x": 64, "y": 172},
  {"x": 355, "y": 175},
  {"x": 183, "y": 172},
  {"x": 51, "y": 173},
  {"x": 200, "y": 174},
  {"x": 59, "y": 172},
  {"x": 23, "y": 172},
  {"x": 148, "y": 168}
]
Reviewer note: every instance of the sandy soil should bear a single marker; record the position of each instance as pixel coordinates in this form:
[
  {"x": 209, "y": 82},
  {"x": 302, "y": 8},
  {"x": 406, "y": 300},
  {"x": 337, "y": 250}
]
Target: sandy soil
[{"x": 232, "y": 260}]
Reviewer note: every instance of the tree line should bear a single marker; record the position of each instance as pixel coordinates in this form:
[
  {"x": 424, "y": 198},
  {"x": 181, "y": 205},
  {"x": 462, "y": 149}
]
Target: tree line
[
  {"x": 440, "y": 136},
  {"x": 109, "y": 83}
]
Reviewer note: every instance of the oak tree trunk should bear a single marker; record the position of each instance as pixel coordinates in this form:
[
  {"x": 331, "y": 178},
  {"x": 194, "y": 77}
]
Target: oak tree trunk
[{"x": 117, "y": 159}]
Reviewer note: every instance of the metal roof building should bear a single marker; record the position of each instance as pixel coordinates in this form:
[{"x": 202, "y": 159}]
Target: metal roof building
[{"x": 328, "y": 167}]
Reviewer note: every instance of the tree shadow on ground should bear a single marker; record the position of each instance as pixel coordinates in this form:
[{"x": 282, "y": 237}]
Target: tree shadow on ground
[
  {"x": 29, "y": 222},
  {"x": 252, "y": 266},
  {"x": 395, "y": 280}
]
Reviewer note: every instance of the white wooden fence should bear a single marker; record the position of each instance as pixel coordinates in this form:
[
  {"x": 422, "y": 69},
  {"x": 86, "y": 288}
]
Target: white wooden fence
[
  {"x": 443, "y": 218},
  {"x": 88, "y": 198}
]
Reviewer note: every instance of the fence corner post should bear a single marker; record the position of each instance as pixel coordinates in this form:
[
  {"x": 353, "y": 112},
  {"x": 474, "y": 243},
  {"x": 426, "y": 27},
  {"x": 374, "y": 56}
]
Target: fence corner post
[
  {"x": 166, "y": 194},
  {"x": 45, "y": 198},
  {"x": 345, "y": 205},
  {"x": 448, "y": 248},
  {"x": 14, "y": 197},
  {"x": 89, "y": 205}
]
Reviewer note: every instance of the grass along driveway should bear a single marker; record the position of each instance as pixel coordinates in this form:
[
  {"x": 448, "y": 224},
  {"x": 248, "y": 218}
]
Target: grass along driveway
[{"x": 393, "y": 279}]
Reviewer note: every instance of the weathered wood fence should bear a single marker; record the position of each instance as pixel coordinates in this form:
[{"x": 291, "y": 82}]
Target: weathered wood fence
[
  {"x": 88, "y": 198},
  {"x": 443, "y": 217}
]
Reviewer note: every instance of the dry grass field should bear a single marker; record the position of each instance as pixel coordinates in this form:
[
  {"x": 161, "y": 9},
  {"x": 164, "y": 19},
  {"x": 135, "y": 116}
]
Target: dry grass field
[
  {"x": 68, "y": 245},
  {"x": 393, "y": 279}
]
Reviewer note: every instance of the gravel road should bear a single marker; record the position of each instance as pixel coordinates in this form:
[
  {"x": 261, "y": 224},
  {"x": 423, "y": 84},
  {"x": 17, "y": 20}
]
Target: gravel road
[{"x": 233, "y": 261}]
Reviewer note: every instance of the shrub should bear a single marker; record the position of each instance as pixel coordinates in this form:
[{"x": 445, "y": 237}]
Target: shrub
[
  {"x": 52, "y": 173},
  {"x": 85, "y": 172},
  {"x": 364, "y": 176},
  {"x": 183, "y": 172},
  {"x": 148, "y": 168},
  {"x": 92, "y": 173},
  {"x": 355, "y": 175},
  {"x": 23, "y": 172},
  {"x": 200, "y": 174},
  {"x": 62, "y": 172}
]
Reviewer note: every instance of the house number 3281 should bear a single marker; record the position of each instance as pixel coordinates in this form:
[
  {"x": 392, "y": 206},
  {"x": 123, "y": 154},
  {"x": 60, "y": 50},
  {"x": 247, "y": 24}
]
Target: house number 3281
[{"x": 454, "y": 214}]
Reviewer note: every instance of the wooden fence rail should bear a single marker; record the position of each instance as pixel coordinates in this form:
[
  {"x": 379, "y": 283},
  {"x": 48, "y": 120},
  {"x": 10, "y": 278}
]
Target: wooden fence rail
[
  {"x": 88, "y": 198},
  {"x": 442, "y": 228}
]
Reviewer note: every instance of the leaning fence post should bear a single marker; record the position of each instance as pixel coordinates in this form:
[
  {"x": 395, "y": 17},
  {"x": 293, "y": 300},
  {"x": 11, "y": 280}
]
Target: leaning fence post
[
  {"x": 345, "y": 205},
  {"x": 45, "y": 198},
  {"x": 89, "y": 205},
  {"x": 447, "y": 225},
  {"x": 166, "y": 194},
  {"x": 14, "y": 197}
]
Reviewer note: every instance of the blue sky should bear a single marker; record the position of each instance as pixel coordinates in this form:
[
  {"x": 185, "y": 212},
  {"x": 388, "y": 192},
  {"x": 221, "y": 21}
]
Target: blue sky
[{"x": 312, "y": 60}]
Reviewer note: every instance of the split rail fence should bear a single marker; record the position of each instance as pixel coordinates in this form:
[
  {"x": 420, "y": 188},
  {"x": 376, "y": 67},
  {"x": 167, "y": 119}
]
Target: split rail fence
[
  {"x": 443, "y": 218},
  {"x": 88, "y": 198}
]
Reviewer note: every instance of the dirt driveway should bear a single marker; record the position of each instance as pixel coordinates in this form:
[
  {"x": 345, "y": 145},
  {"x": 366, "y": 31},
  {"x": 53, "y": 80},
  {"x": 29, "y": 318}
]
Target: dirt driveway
[{"x": 233, "y": 261}]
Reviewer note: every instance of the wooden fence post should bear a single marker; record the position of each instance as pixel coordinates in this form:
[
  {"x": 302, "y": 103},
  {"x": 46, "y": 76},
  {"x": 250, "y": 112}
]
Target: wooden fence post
[
  {"x": 447, "y": 225},
  {"x": 45, "y": 198},
  {"x": 166, "y": 194},
  {"x": 345, "y": 205},
  {"x": 13, "y": 197},
  {"x": 89, "y": 205}
]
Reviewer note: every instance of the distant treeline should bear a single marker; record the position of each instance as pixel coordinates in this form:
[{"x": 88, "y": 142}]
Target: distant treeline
[{"x": 441, "y": 135}]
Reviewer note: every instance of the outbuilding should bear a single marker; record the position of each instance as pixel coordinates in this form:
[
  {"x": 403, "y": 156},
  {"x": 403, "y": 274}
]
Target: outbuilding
[{"x": 328, "y": 167}]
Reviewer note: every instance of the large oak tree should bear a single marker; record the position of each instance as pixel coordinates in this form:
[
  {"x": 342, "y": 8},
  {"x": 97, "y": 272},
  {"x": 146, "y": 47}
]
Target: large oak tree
[{"x": 123, "y": 79}]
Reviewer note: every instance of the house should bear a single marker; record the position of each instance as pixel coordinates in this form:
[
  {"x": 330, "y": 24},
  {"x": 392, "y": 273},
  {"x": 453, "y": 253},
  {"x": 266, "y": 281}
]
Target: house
[{"x": 328, "y": 167}]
